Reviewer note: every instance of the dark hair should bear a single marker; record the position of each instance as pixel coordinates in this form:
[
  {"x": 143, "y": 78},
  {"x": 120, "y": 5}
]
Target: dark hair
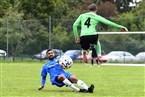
[
  {"x": 48, "y": 50},
  {"x": 92, "y": 7}
]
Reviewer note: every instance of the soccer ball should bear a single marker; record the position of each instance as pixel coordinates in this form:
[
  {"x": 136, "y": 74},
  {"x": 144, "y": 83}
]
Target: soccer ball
[{"x": 65, "y": 62}]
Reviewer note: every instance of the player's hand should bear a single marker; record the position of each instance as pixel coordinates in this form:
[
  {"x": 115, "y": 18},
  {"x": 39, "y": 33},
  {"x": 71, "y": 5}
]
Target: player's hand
[
  {"x": 41, "y": 87},
  {"x": 125, "y": 29},
  {"x": 77, "y": 40}
]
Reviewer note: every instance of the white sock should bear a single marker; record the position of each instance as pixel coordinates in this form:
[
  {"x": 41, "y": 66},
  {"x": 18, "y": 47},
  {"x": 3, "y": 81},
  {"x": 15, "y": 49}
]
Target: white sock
[
  {"x": 67, "y": 82},
  {"x": 82, "y": 84}
]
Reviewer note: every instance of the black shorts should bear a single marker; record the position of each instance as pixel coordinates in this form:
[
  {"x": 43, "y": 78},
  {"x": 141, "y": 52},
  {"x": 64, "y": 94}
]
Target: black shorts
[{"x": 85, "y": 41}]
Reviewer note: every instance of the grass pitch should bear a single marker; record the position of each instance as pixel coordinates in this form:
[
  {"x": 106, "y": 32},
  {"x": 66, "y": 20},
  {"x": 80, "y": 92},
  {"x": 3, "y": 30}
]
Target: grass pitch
[{"x": 22, "y": 79}]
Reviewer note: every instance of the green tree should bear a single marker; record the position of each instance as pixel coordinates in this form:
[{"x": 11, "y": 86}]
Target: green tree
[
  {"x": 36, "y": 36},
  {"x": 36, "y": 8},
  {"x": 14, "y": 36},
  {"x": 4, "y": 6},
  {"x": 24, "y": 36},
  {"x": 3, "y": 34},
  {"x": 59, "y": 37}
]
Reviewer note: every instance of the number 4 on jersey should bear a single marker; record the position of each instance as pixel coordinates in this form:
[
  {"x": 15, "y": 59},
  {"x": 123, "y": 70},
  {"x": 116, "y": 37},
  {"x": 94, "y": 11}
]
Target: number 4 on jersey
[{"x": 87, "y": 22}]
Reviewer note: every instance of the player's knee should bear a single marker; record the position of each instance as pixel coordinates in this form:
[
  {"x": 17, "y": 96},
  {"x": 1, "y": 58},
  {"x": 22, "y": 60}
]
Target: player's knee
[
  {"x": 61, "y": 78},
  {"x": 73, "y": 79}
]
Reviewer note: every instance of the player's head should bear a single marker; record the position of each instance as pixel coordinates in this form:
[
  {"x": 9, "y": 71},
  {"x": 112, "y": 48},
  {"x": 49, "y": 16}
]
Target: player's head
[
  {"x": 50, "y": 54},
  {"x": 92, "y": 7}
]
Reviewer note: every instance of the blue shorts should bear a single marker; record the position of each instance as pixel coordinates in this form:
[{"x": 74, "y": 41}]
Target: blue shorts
[{"x": 60, "y": 84}]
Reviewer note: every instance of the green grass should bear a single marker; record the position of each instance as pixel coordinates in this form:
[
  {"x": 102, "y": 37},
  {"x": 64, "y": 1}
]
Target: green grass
[{"x": 22, "y": 79}]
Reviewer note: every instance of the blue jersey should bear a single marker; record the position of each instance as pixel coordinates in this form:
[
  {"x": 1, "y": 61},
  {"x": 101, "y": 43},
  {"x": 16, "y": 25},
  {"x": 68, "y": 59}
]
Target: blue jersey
[{"x": 54, "y": 69}]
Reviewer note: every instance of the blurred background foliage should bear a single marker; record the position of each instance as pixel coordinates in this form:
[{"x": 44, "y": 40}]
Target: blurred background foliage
[{"x": 25, "y": 25}]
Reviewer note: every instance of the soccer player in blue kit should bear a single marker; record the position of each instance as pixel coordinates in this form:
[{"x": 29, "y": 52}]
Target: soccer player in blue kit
[{"x": 59, "y": 77}]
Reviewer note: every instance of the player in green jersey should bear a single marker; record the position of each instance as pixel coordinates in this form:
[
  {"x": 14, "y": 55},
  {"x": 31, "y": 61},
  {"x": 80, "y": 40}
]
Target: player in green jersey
[{"x": 88, "y": 36}]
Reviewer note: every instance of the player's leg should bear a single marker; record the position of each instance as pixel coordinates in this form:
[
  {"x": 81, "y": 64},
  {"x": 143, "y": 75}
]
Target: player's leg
[
  {"x": 61, "y": 78},
  {"x": 82, "y": 84},
  {"x": 94, "y": 54},
  {"x": 98, "y": 48},
  {"x": 79, "y": 82},
  {"x": 99, "y": 52},
  {"x": 93, "y": 43},
  {"x": 85, "y": 46},
  {"x": 84, "y": 53}
]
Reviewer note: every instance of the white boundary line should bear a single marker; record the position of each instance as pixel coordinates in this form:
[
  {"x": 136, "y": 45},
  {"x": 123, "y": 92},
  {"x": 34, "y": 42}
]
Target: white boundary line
[
  {"x": 117, "y": 64},
  {"x": 121, "y": 32}
]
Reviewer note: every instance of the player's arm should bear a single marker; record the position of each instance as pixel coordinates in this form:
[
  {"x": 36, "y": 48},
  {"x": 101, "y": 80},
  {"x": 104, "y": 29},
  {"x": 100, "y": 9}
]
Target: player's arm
[
  {"x": 42, "y": 83},
  {"x": 109, "y": 23},
  {"x": 75, "y": 29},
  {"x": 43, "y": 80}
]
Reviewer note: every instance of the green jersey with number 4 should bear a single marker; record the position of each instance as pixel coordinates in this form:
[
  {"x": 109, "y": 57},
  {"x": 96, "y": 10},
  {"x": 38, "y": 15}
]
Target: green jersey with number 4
[{"x": 88, "y": 22}]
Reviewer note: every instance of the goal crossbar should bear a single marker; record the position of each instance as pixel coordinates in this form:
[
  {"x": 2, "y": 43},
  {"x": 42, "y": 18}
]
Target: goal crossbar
[{"x": 139, "y": 32}]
